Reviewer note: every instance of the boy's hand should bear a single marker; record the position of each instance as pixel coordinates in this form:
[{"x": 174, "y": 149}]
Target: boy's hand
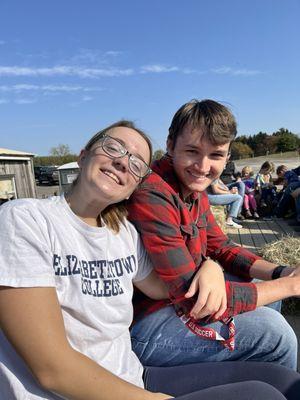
[{"x": 209, "y": 282}]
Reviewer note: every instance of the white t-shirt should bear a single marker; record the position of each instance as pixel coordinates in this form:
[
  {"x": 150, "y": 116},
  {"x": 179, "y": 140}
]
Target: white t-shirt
[{"x": 43, "y": 243}]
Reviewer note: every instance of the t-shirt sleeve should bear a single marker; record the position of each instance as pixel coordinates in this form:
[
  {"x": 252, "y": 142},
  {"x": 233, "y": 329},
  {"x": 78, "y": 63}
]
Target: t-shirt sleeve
[
  {"x": 144, "y": 262},
  {"x": 25, "y": 257}
]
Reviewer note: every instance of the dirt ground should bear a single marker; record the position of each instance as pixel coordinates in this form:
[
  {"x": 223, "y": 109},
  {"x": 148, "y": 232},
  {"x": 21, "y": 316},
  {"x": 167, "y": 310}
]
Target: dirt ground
[
  {"x": 43, "y": 191},
  {"x": 255, "y": 163}
]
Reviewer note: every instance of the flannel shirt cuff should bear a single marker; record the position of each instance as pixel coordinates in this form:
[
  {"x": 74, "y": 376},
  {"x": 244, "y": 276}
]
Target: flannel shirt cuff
[{"x": 241, "y": 297}]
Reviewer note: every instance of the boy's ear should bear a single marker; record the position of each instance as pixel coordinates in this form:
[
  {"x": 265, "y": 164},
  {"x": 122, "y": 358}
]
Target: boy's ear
[
  {"x": 170, "y": 146},
  {"x": 81, "y": 157}
]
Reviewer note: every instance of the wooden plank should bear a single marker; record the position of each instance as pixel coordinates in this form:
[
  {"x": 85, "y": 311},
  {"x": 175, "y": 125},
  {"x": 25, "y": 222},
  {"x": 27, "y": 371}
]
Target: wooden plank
[
  {"x": 255, "y": 234},
  {"x": 246, "y": 238},
  {"x": 255, "y": 231},
  {"x": 286, "y": 228},
  {"x": 267, "y": 233},
  {"x": 234, "y": 235},
  {"x": 257, "y": 237}
]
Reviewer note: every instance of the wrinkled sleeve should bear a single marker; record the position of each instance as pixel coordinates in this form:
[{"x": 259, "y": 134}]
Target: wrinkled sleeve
[
  {"x": 156, "y": 217},
  {"x": 25, "y": 259}
]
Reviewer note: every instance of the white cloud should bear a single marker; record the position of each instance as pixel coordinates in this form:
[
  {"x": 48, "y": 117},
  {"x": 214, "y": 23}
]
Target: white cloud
[
  {"x": 64, "y": 70},
  {"x": 232, "y": 71},
  {"x": 48, "y": 88},
  {"x": 25, "y": 101},
  {"x": 104, "y": 72},
  {"x": 113, "y": 53},
  {"x": 87, "y": 98},
  {"x": 4, "y": 101},
  {"x": 158, "y": 68}
]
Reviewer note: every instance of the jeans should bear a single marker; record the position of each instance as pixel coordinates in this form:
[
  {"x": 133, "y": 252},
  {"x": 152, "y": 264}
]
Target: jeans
[
  {"x": 234, "y": 202},
  {"x": 281, "y": 207},
  {"x": 297, "y": 200},
  {"x": 234, "y": 380},
  {"x": 161, "y": 339},
  {"x": 239, "y": 185}
]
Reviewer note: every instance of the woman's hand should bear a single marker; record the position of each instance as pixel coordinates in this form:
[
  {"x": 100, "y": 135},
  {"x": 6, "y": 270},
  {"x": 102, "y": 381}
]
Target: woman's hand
[{"x": 209, "y": 282}]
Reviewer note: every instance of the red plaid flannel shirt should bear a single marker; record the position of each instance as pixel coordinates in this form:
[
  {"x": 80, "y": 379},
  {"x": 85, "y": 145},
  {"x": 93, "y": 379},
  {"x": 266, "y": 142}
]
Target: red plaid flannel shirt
[{"x": 178, "y": 237}]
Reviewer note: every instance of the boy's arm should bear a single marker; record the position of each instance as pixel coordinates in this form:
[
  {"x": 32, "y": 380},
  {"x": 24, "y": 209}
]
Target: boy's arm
[{"x": 156, "y": 216}]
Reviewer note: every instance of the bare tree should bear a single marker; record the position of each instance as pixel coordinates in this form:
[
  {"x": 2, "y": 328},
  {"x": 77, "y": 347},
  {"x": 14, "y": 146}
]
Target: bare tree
[{"x": 60, "y": 150}]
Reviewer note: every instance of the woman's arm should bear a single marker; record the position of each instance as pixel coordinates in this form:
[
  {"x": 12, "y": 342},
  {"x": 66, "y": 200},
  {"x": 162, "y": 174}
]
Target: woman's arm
[
  {"x": 32, "y": 321},
  {"x": 153, "y": 287}
]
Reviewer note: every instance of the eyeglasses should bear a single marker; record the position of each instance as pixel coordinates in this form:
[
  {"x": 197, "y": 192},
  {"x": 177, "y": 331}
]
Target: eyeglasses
[{"x": 113, "y": 148}]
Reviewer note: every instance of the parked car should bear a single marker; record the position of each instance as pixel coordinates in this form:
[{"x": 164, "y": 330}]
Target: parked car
[
  {"x": 48, "y": 174},
  {"x": 37, "y": 172}
]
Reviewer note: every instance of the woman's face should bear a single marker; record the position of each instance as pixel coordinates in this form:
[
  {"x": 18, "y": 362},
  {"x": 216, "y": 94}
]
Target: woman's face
[{"x": 109, "y": 179}]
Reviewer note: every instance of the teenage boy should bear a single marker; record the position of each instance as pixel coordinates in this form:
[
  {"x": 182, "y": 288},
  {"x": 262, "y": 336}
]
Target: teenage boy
[{"x": 172, "y": 213}]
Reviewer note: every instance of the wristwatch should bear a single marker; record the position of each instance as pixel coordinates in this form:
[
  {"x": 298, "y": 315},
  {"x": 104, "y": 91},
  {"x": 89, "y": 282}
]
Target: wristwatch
[{"x": 278, "y": 270}]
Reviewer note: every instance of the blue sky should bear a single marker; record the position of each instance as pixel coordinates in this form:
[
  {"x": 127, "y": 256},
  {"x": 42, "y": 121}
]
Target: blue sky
[{"x": 69, "y": 68}]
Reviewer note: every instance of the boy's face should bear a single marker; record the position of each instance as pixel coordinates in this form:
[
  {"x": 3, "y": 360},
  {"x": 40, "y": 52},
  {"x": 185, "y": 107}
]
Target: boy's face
[
  {"x": 197, "y": 162},
  {"x": 282, "y": 172}
]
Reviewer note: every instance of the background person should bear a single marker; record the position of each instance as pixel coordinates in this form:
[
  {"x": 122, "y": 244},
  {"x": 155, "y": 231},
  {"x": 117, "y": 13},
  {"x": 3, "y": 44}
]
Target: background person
[
  {"x": 266, "y": 188},
  {"x": 219, "y": 194},
  {"x": 250, "y": 204},
  {"x": 291, "y": 181},
  {"x": 232, "y": 179}
]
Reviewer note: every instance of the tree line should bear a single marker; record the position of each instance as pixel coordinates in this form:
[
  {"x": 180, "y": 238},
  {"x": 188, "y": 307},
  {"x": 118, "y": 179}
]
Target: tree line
[
  {"x": 262, "y": 143},
  {"x": 244, "y": 146},
  {"x": 59, "y": 155},
  {"x": 259, "y": 144}
]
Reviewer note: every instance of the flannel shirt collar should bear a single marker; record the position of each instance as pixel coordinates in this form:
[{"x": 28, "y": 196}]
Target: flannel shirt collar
[{"x": 164, "y": 168}]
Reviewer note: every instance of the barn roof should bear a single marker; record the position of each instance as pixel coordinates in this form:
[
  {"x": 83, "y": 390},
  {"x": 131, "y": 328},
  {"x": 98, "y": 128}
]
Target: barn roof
[{"x": 11, "y": 153}]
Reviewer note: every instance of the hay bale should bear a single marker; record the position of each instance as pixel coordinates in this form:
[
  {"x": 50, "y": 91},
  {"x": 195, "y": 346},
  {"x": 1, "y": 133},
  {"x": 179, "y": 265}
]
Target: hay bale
[
  {"x": 220, "y": 216},
  {"x": 285, "y": 251}
]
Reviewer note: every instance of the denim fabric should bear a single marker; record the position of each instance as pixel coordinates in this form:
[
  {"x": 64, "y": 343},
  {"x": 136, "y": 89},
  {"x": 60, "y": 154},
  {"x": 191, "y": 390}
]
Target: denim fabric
[
  {"x": 233, "y": 202},
  {"x": 281, "y": 207},
  {"x": 220, "y": 381},
  {"x": 297, "y": 200},
  {"x": 239, "y": 185},
  {"x": 161, "y": 339}
]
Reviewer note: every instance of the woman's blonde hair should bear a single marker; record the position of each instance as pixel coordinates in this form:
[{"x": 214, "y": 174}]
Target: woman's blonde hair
[{"x": 115, "y": 214}]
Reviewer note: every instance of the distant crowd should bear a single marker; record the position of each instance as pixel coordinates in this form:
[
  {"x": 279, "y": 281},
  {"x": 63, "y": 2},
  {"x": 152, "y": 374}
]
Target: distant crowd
[{"x": 253, "y": 196}]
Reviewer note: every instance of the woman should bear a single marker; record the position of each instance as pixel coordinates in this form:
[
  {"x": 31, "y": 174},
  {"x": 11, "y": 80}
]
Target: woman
[
  {"x": 67, "y": 267},
  {"x": 220, "y": 194}
]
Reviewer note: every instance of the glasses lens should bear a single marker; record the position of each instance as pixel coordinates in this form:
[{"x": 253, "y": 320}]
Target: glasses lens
[
  {"x": 138, "y": 166},
  {"x": 113, "y": 148}
]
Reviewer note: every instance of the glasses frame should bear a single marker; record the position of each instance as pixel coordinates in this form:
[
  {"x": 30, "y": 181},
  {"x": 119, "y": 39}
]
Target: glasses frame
[{"x": 126, "y": 153}]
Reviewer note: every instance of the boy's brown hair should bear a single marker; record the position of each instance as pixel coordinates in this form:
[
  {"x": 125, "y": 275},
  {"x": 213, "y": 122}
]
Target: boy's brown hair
[{"x": 216, "y": 121}]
